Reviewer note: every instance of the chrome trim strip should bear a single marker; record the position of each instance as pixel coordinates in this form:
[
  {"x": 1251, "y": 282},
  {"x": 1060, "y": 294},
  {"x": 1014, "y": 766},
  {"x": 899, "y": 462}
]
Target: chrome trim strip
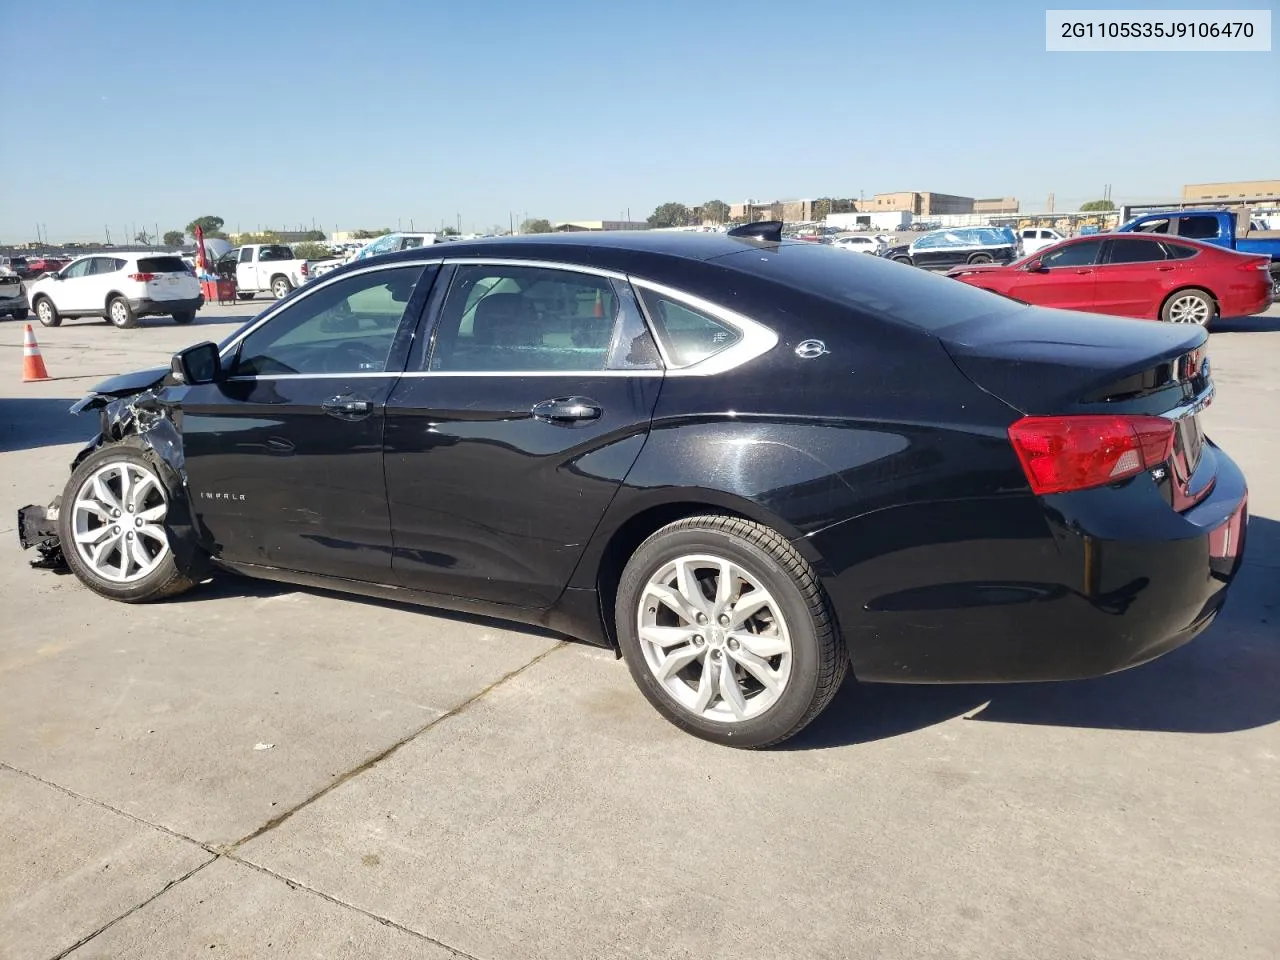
[
  {"x": 580, "y": 374},
  {"x": 757, "y": 339},
  {"x": 1192, "y": 406},
  {"x": 306, "y": 290},
  {"x": 540, "y": 264}
]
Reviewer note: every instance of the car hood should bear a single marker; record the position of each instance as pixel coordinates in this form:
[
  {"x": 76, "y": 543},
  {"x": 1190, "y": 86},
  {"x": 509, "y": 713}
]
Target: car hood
[
  {"x": 980, "y": 268},
  {"x": 124, "y": 385}
]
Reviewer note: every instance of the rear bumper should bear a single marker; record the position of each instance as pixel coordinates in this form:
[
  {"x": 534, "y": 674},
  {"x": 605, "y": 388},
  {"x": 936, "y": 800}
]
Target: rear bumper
[
  {"x": 145, "y": 306},
  {"x": 1019, "y": 589},
  {"x": 10, "y": 304}
]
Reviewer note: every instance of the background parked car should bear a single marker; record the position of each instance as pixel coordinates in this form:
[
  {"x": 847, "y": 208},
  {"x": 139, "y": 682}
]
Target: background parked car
[
  {"x": 871, "y": 245},
  {"x": 121, "y": 287},
  {"x": 943, "y": 249},
  {"x": 1223, "y": 228},
  {"x": 1152, "y": 278},
  {"x": 1035, "y": 239},
  {"x": 13, "y": 296}
]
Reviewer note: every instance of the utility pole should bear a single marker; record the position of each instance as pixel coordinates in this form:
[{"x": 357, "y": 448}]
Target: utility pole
[{"x": 459, "y": 216}]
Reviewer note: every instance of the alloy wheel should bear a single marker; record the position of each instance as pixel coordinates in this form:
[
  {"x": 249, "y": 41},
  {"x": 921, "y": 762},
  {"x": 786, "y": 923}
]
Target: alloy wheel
[
  {"x": 714, "y": 638},
  {"x": 118, "y": 522},
  {"x": 1189, "y": 309}
]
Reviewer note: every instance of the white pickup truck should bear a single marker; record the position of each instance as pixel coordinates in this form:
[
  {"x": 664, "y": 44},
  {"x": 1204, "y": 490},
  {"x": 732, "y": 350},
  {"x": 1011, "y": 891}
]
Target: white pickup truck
[{"x": 262, "y": 267}]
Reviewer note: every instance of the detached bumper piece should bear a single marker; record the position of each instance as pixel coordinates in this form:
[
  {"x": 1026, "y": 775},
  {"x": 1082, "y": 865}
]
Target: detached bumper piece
[{"x": 38, "y": 527}]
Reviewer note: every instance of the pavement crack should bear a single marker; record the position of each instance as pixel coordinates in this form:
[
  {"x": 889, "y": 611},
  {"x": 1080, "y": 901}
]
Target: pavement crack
[
  {"x": 132, "y": 910},
  {"x": 384, "y": 754},
  {"x": 299, "y": 885},
  {"x": 106, "y": 806}
]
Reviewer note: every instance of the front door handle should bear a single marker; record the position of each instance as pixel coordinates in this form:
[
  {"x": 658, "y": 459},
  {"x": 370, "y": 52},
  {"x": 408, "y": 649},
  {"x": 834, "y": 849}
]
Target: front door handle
[
  {"x": 347, "y": 407},
  {"x": 567, "y": 410},
  {"x": 1164, "y": 269}
]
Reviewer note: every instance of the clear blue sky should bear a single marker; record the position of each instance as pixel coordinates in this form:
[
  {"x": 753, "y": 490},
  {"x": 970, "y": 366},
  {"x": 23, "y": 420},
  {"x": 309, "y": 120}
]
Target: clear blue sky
[{"x": 362, "y": 113}]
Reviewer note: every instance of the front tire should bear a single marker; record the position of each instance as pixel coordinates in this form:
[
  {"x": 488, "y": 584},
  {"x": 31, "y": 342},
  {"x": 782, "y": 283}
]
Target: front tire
[
  {"x": 47, "y": 313},
  {"x": 20, "y": 314},
  {"x": 120, "y": 314},
  {"x": 111, "y": 523},
  {"x": 280, "y": 288},
  {"x": 185, "y": 316},
  {"x": 1189, "y": 306},
  {"x": 727, "y": 631},
  {"x": 906, "y": 260}
]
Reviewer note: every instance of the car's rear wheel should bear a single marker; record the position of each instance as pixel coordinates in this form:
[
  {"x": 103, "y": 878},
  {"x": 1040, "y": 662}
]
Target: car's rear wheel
[
  {"x": 280, "y": 287},
  {"x": 727, "y": 631},
  {"x": 1189, "y": 306},
  {"x": 245, "y": 296},
  {"x": 184, "y": 316},
  {"x": 47, "y": 313},
  {"x": 906, "y": 260},
  {"x": 980, "y": 258},
  {"x": 111, "y": 522},
  {"x": 120, "y": 314}
]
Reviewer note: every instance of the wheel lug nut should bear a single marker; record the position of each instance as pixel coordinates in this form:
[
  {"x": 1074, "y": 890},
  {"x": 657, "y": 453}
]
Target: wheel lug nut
[
  {"x": 115, "y": 529},
  {"x": 697, "y": 640},
  {"x": 724, "y": 619},
  {"x": 733, "y": 644},
  {"x": 702, "y": 618},
  {"x": 715, "y": 654},
  {"x": 129, "y": 535}
]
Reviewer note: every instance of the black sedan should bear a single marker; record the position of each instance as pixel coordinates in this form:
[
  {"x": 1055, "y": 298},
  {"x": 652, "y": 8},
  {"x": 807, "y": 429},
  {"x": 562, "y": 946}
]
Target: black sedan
[{"x": 749, "y": 465}]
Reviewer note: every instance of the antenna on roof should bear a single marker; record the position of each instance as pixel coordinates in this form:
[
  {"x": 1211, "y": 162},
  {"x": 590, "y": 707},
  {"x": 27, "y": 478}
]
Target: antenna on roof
[{"x": 770, "y": 230}]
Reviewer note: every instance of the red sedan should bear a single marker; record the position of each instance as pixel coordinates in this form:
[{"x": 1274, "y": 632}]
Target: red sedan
[{"x": 1151, "y": 278}]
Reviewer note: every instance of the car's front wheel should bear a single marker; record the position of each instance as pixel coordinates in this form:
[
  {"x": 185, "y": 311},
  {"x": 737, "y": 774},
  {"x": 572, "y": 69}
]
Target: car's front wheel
[
  {"x": 20, "y": 314},
  {"x": 980, "y": 258},
  {"x": 727, "y": 631},
  {"x": 111, "y": 522},
  {"x": 47, "y": 313}
]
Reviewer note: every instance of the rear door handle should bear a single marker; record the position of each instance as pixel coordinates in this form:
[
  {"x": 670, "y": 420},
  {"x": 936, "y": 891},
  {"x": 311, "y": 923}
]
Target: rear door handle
[
  {"x": 1165, "y": 269},
  {"x": 567, "y": 410},
  {"x": 1084, "y": 272},
  {"x": 347, "y": 407}
]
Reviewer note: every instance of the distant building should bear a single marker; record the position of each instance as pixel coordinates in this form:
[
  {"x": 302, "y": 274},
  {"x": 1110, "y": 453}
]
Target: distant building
[
  {"x": 918, "y": 203},
  {"x": 1234, "y": 191},
  {"x": 579, "y": 226},
  {"x": 996, "y": 205}
]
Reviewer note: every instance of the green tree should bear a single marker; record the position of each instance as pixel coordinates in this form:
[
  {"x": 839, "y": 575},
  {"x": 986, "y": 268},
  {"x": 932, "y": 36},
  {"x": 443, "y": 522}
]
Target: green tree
[
  {"x": 267, "y": 236},
  {"x": 716, "y": 211},
  {"x": 175, "y": 238},
  {"x": 369, "y": 234},
  {"x": 1097, "y": 205},
  {"x": 313, "y": 236},
  {"x": 310, "y": 250},
  {"x": 822, "y": 208},
  {"x": 536, "y": 226},
  {"x": 670, "y": 215},
  {"x": 207, "y": 224},
  {"x": 449, "y": 232}
]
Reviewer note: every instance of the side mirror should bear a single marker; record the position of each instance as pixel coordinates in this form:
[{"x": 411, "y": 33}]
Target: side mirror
[
  {"x": 1034, "y": 265},
  {"x": 196, "y": 365}
]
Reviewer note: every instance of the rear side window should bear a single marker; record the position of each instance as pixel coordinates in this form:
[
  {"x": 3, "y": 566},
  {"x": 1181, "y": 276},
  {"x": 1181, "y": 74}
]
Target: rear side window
[
  {"x": 1198, "y": 228},
  {"x": 1135, "y": 251},
  {"x": 688, "y": 335},
  {"x": 160, "y": 265},
  {"x": 1178, "y": 251}
]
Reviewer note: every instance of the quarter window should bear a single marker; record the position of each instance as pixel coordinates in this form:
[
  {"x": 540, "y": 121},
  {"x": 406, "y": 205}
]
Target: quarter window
[
  {"x": 688, "y": 335},
  {"x": 1198, "y": 228},
  {"x": 1178, "y": 251},
  {"x": 536, "y": 319},
  {"x": 343, "y": 327},
  {"x": 1081, "y": 254},
  {"x": 1135, "y": 251}
]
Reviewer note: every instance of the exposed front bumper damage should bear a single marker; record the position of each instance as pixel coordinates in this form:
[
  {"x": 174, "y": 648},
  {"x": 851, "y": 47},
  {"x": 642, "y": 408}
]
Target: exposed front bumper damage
[{"x": 146, "y": 417}]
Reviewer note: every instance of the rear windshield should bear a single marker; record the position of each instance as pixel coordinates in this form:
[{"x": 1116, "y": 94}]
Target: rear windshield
[
  {"x": 872, "y": 286},
  {"x": 162, "y": 265}
]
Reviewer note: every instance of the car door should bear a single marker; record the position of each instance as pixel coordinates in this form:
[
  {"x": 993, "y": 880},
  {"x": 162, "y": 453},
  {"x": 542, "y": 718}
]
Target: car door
[
  {"x": 513, "y": 430},
  {"x": 284, "y": 454},
  {"x": 1204, "y": 227},
  {"x": 247, "y": 269},
  {"x": 74, "y": 291},
  {"x": 927, "y": 251},
  {"x": 1065, "y": 279},
  {"x": 951, "y": 250},
  {"x": 103, "y": 276},
  {"x": 1131, "y": 276}
]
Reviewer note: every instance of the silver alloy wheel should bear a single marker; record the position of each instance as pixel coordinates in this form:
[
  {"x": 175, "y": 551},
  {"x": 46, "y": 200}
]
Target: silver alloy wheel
[
  {"x": 714, "y": 637},
  {"x": 118, "y": 522},
  {"x": 119, "y": 312},
  {"x": 44, "y": 310},
  {"x": 1189, "y": 309},
  {"x": 281, "y": 289}
]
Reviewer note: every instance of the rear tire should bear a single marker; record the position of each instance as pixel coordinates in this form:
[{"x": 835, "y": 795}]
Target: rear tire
[
  {"x": 97, "y": 507},
  {"x": 980, "y": 258},
  {"x": 906, "y": 260},
  {"x": 185, "y": 316},
  {"x": 771, "y": 629},
  {"x": 281, "y": 287},
  {"x": 244, "y": 296},
  {"x": 47, "y": 313},
  {"x": 1189, "y": 306},
  {"x": 120, "y": 314}
]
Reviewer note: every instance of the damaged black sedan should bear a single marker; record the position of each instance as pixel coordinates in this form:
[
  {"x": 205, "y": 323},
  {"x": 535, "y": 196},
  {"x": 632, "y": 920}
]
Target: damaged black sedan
[{"x": 748, "y": 465}]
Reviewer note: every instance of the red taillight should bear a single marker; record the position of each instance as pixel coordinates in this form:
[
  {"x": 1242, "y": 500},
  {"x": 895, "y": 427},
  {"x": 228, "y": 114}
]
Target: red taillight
[
  {"x": 1060, "y": 454},
  {"x": 305, "y": 269},
  {"x": 142, "y": 277},
  {"x": 1257, "y": 263}
]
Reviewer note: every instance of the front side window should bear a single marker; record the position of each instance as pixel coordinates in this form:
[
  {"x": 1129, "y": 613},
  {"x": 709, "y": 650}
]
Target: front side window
[
  {"x": 1135, "y": 251},
  {"x": 498, "y": 318},
  {"x": 246, "y": 255},
  {"x": 1081, "y": 254},
  {"x": 343, "y": 327},
  {"x": 688, "y": 335},
  {"x": 78, "y": 269}
]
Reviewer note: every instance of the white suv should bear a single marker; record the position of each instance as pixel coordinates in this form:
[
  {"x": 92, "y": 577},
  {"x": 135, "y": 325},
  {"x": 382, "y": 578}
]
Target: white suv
[{"x": 119, "y": 286}]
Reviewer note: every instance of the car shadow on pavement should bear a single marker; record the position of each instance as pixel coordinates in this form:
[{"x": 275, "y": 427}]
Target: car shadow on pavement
[
  {"x": 1263, "y": 323},
  {"x": 30, "y": 422},
  {"x": 1227, "y": 679}
]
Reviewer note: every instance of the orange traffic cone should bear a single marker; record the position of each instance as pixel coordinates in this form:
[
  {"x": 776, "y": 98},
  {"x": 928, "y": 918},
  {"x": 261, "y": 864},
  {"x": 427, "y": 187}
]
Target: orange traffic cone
[
  {"x": 598, "y": 309},
  {"x": 32, "y": 362}
]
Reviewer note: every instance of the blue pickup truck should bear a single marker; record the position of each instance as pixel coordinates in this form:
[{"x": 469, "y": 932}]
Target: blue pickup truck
[{"x": 1232, "y": 229}]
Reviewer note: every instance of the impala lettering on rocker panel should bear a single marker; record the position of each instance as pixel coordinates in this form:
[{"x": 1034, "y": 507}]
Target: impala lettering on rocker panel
[{"x": 206, "y": 495}]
